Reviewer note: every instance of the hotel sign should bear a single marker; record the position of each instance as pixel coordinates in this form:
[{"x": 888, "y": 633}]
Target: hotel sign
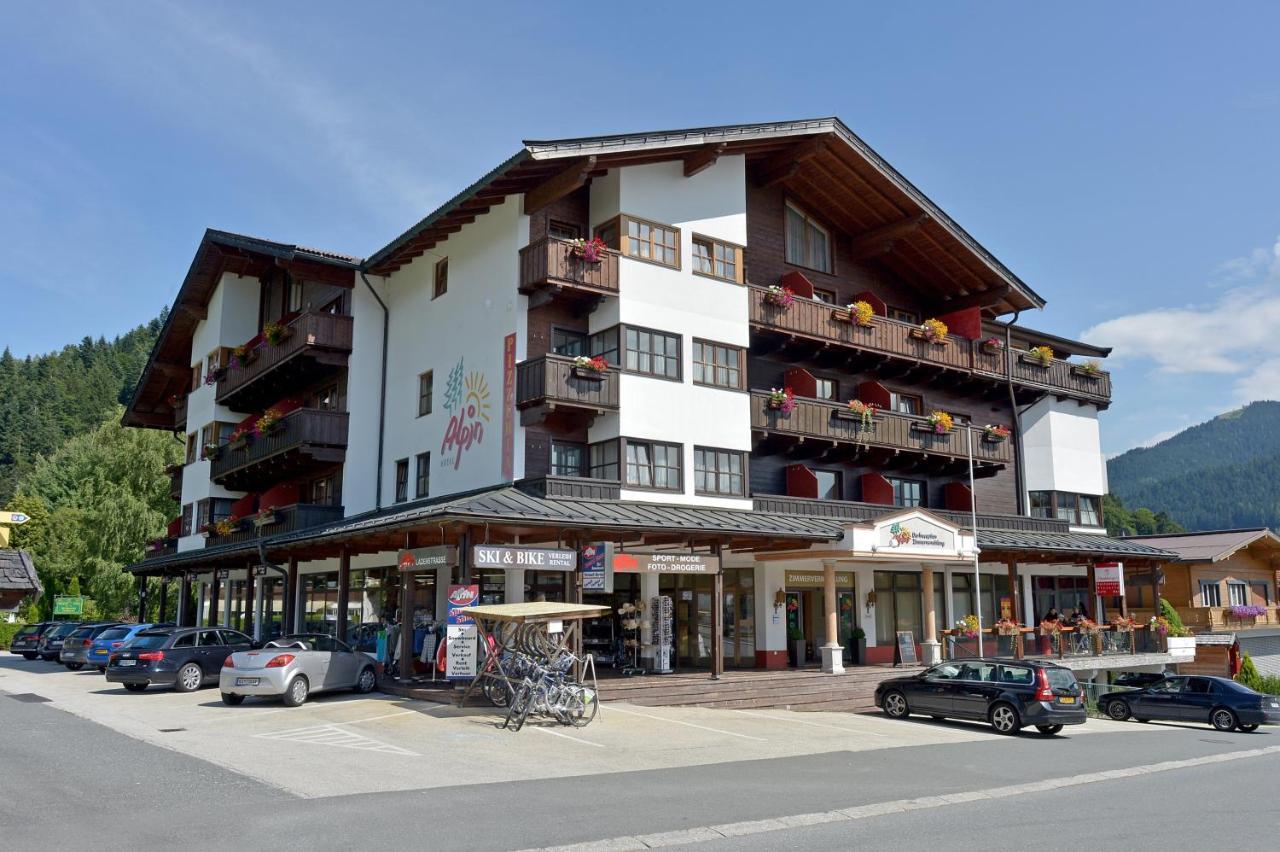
[
  {"x": 916, "y": 535},
  {"x": 530, "y": 558},
  {"x": 665, "y": 563}
]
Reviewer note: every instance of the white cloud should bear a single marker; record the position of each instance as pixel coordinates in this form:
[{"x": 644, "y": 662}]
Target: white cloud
[{"x": 1235, "y": 335}]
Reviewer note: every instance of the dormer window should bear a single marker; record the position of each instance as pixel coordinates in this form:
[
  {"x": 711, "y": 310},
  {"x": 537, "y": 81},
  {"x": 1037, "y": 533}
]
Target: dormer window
[{"x": 808, "y": 243}]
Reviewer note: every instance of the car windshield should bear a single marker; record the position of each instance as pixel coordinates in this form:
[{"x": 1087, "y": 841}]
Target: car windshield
[
  {"x": 150, "y": 640},
  {"x": 114, "y": 633},
  {"x": 306, "y": 643},
  {"x": 63, "y": 630},
  {"x": 29, "y": 630},
  {"x": 1061, "y": 679},
  {"x": 82, "y": 633}
]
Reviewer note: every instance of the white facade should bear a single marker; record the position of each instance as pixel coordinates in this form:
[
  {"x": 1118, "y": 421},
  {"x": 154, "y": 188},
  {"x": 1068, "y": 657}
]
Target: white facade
[{"x": 1062, "y": 448}]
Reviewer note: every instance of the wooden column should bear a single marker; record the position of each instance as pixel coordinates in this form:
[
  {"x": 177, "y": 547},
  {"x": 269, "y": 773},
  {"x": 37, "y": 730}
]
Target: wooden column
[
  {"x": 142, "y": 598},
  {"x": 717, "y": 617},
  {"x": 184, "y": 602},
  {"x": 215, "y": 591},
  {"x": 164, "y": 598},
  {"x": 248, "y": 623},
  {"x": 344, "y": 593},
  {"x": 1154, "y": 568},
  {"x": 291, "y": 597},
  {"x": 1015, "y": 592},
  {"x": 1093, "y": 591}
]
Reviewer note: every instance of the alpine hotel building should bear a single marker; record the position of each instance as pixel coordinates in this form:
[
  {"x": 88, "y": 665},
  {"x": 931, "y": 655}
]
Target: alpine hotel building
[{"x": 698, "y": 385}]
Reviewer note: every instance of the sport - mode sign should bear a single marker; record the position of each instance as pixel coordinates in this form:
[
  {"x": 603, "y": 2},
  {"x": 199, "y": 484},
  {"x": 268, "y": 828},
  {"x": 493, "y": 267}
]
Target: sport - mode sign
[
  {"x": 665, "y": 563},
  {"x": 427, "y": 558},
  {"x": 532, "y": 558}
]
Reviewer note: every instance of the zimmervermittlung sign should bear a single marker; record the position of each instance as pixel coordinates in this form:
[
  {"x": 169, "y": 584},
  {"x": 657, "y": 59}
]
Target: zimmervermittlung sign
[{"x": 532, "y": 558}]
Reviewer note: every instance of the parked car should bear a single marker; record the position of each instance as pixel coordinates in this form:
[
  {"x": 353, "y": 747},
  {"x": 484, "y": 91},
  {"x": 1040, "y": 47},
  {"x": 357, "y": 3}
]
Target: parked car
[
  {"x": 184, "y": 658},
  {"x": 1137, "y": 680},
  {"x": 75, "y": 648},
  {"x": 293, "y": 667},
  {"x": 51, "y": 640},
  {"x": 113, "y": 639},
  {"x": 27, "y": 640},
  {"x": 1218, "y": 701},
  {"x": 1008, "y": 694}
]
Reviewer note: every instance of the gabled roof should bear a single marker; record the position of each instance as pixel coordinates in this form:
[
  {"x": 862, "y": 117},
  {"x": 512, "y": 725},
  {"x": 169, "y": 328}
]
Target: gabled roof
[
  {"x": 821, "y": 158},
  {"x": 18, "y": 572},
  {"x": 1213, "y": 546}
]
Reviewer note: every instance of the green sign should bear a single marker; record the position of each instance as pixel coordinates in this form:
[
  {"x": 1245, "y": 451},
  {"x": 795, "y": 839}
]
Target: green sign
[{"x": 68, "y": 605}]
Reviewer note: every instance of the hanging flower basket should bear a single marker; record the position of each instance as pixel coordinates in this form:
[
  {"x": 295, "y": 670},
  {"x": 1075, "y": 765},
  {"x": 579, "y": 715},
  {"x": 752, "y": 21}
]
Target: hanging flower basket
[
  {"x": 590, "y": 368},
  {"x": 779, "y": 297},
  {"x": 215, "y": 375},
  {"x": 265, "y": 518},
  {"x": 1007, "y": 627},
  {"x": 587, "y": 251},
  {"x": 226, "y": 526},
  {"x": 941, "y": 422},
  {"x": 857, "y": 313},
  {"x": 782, "y": 400},
  {"x": 995, "y": 434},
  {"x": 1041, "y": 356},
  {"x": 863, "y": 412},
  {"x": 210, "y": 451},
  {"x": 273, "y": 333},
  {"x": 992, "y": 346},
  {"x": 241, "y": 438},
  {"x": 932, "y": 330}
]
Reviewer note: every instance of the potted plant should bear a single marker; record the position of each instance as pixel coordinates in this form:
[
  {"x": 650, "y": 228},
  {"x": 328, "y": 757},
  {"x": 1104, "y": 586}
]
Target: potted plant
[
  {"x": 1007, "y": 627},
  {"x": 858, "y": 313},
  {"x": 1090, "y": 370},
  {"x": 796, "y": 646},
  {"x": 858, "y": 641},
  {"x": 240, "y": 438},
  {"x": 273, "y": 333},
  {"x": 588, "y": 251},
  {"x": 268, "y": 423},
  {"x": 863, "y": 412},
  {"x": 226, "y": 526},
  {"x": 779, "y": 297},
  {"x": 1041, "y": 356},
  {"x": 938, "y": 423},
  {"x": 994, "y": 434},
  {"x": 243, "y": 355},
  {"x": 210, "y": 451},
  {"x": 592, "y": 368},
  {"x": 993, "y": 346},
  {"x": 782, "y": 399},
  {"x": 932, "y": 330}
]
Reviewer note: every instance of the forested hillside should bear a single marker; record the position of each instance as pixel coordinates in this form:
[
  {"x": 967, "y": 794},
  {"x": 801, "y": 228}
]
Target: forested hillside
[
  {"x": 47, "y": 399},
  {"x": 1220, "y": 474}
]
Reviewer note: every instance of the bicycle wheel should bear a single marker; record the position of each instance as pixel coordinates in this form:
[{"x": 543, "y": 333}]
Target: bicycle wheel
[
  {"x": 583, "y": 706},
  {"x": 519, "y": 705},
  {"x": 497, "y": 690}
]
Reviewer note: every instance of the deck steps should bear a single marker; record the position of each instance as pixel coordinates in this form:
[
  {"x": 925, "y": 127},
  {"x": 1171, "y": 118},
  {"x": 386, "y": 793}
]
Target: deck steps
[{"x": 794, "y": 689}]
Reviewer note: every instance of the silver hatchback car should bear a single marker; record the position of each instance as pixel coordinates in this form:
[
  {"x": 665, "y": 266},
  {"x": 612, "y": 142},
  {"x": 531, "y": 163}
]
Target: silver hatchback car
[{"x": 293, "y": 667}]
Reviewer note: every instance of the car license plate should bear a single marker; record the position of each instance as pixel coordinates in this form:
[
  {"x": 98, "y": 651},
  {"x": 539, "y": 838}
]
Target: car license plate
[
  {"x": 1275, "y": 704},
  {"x": 128, "y": 662},
  {"x": 246, "y": 681},
  {"x": 100, "y": 652},
  {"x": 1067, "y": 699}
]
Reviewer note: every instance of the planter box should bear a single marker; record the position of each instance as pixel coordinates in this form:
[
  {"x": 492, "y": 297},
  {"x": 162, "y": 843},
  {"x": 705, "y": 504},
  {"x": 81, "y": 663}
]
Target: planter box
[
  {"x": 1081, "y": 372},
  {"x": 796, "y": 651},
  {"x": 917, "y": 334},
  {"x": 1034, "y": 361},
  {"x": 847, "y": 415},
  {"x": 927, "y": 428},
  {"x": 993, "y": 439},
  {"x": 988, "y": 349},
  {"x": 587, "y": 374}
]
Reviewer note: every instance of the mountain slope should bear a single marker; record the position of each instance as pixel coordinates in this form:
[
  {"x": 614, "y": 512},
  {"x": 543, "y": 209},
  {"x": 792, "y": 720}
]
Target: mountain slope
[{"x": 1220, "y": 474}]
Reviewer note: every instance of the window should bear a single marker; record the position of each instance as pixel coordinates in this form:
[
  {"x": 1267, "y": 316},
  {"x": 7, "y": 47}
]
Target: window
[
  {"x": 185, "y": 641},
  {"x": 829, "y": 484},
  {"x": 1065, "y": 510},
  {"x": 1085, "y": 509},
  {"x": 653, "y": 465},
  {"x": 1237, "y": 594},
  {"x": 902, "y": 315},
  {"x": 213, "y": 363},
  {"x": 191, "y": 447},
  {"x": 906, "y": 403},
  {"x": 567, "y": 458},
  {"x": 425, "y": 383},
  {"x": 1210, "y": 594},
  {"x": 402, "y": 480},
  {"x": 717, "y": 364},
  {"x": 295, "y": 295},
  {"x": 328, "y": 398},
  {"x": 196, "y": 375},
  {"x": 718, "y": 472},
  {"x": 603, "y": 461},
  {"x": 1042, "y": 504},
  {"x": 203, "y": 510},
  {"x": 642, "y": 239},
  {"x": 210, "y": 638},
  {"x": 808, "y": 243},
  {"x": 208, "y": 435},
  {"x": 1016, "y": 674},
  {"x": 422, "y": 474},
  {"x": 907, "y": 492},
  {"x": 571, "y": 343},
  {"x": 652, "y": 353},
  {"x": 442, "y": 278},
  {"x": 558, "y": 230},
  {"x": 187, "y": 516},
  {"x": 605, "y": 344},
  {"x": 717, "y": 259},
  {"x": 827, "y": 297},
  {"x": 1262, "y": 592},
  {"x": 322, "y": 491},
  {"x": 1090, "y": 510},
  {"x": 898, "y": 605},
  {"x": 827, "y": 388}
]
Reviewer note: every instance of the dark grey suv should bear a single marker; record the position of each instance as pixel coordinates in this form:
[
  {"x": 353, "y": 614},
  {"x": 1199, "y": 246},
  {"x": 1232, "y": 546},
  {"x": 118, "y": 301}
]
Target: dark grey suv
[{"x": 1008, "y": 694}]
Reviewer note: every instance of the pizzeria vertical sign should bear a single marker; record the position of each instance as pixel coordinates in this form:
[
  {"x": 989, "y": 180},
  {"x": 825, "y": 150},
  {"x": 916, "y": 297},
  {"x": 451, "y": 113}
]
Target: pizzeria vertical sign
[
  {"x": 508, "y": 407},
  {"x": 1108, "y": 578}
]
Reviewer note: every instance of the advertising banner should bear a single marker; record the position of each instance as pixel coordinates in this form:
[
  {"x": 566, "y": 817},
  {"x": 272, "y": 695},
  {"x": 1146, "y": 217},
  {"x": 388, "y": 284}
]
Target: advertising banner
[
  {"x": 665, "y": 563},
  {"x": 508, "y": 407},
  {"x": 597, "y": 571},
  {"x": 460, "y": 633},
  {"x": 530, "y": 558}
]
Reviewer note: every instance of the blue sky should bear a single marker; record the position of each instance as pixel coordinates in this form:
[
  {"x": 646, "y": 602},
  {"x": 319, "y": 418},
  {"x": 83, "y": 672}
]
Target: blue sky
[{"x": 1121, "y": 158}]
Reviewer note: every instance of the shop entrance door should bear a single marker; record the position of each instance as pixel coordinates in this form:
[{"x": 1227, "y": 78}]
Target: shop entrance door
[
  {"x": 739, "y": 619},
  {"x": 692, "y": 616}
]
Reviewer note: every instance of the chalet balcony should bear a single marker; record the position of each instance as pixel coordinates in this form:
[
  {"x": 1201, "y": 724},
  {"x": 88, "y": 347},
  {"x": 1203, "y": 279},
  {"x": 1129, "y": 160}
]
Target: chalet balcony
[
  {"x": 180, "y": 413},
  {"x": 1218, "y": 619},
  {"x": 890, "y": 441},
  {"x": 572, "y": 487},
  {"x": 304, "y": 440},
  {"x": 160, "y": 547},
  {"x": 856, "y": 511},
  {"x": 815, "y": 330},
  {"x": 553, "y": 387},
  {"x": 316, "y": 346},
  {"x": 174, "y": 472},
  {"x": 284, "y": 519},
  {"x": 548, "y": 267}
]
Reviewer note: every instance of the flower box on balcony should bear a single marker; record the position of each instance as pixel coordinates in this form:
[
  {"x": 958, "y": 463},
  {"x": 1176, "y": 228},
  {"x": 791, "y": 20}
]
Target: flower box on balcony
[
  {"x": 1086, "y": 372},
  {"x": 591, "y": 369},
  {"x": 1040, "y": 356},
  {"x": 265, "y": 518},
  {"x": 991, "y": 346},
  {"x": 857, "y": 314},
  {"x": 587, "y": 374}
]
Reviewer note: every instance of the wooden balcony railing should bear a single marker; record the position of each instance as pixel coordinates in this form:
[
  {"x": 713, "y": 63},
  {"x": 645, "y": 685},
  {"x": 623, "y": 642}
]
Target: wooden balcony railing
[
  {"x": 554, "y": 382},
  {"x": 180, "y": 414},
  {"x": 852, "y": 510},
  {"x": 572, "y": 487},
  {"x": 317, "y": 344},
  {"x": 1221, "y": 618},
  {"x": 285, "y": 519},
  {"x": 175, "y": 481},
  {"x": 549, "y": 263},
  {"x": 898, "y": 340},
  {"x": 821, "y": 419},
  {"x": 305, "y": 437},
  {"x": 160, "y": 547}
]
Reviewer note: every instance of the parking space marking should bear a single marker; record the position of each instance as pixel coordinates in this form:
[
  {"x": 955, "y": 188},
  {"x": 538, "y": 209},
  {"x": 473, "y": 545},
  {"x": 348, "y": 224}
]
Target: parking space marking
[
  {"x": 613, "y": 708},
  {"x": 332, "y": 735},
  {"x": 812, "y": 724},
  {"x": 562, "y": 734},
  {"x": 253, "y": 714}
]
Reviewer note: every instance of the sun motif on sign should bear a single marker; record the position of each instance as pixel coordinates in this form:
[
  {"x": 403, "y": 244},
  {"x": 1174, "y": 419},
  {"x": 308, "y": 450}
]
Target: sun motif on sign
[
  {"x": 900, "y": 534},
  {"x": 476, "y": 401}
]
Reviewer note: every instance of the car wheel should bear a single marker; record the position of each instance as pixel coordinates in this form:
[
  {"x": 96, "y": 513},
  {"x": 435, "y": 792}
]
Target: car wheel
[
  {"x": 1223, "y": 719},
  {"x": 1048, "y": 730},
  {"x": 367, "y": 681},
  {"x": 102, "y": 669},
  {"x": 75, "y": 667},
  {"x": 1005, "y": 719},
  {"x": 233, "y": 700},
  {"x": 135, "y": 687},
  {"x": 27, "y": 656},
  {"x": 296, "y": 692},
  {"x": 1248, "y": 729},
  {"x": 1118, "y": 710},
  {"x": 189, "y": 678},
  {"x": 895, "y": 705}
]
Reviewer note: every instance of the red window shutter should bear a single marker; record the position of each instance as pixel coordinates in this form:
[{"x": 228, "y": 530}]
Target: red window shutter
[
  {"x": 801, "y": 482},
  {"x": 798, "y": 284},
  {"x": 801, "y": 381},
  {"x": 965, "y": 323},
  {"x": 877, "y": 304},
  {"x": 876, "y": 489},
  {"x": 874, "y": 392},
  {"x": 957, "y": 497}
]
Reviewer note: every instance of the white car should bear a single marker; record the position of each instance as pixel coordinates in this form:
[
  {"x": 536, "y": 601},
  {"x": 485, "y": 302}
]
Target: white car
[{"x": 293, "y": 667}]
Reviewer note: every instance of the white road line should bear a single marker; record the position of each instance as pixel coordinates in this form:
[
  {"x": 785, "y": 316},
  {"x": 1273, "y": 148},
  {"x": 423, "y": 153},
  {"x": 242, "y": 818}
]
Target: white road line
[
  {"x": 811, "y": 724},
  {"x": 376, "y": 718},
  {"x": 858, "y": 812},
  {"x": 615, "y": 709},
  {"x": 566, "y": 736},
  {"x": 232, "y": 715}
]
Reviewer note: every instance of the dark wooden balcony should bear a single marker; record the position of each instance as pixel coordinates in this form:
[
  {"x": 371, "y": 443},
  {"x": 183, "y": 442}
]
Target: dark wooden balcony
[
  {"x": 174, "y": 472},
  {"x": 180, "y": 413},
  {"x": 549, "y": 266},
  {"x": 305, "y": 440},
  {"x": 551, "y": 386},
  {"x": 572, "y": 487},
  {"x": 852, "y": 510},
  {"x": 809, "y": 329},
  {"x": 160, "y": 547},
  {"x": 317, "y": 346},
  {"x": 285, "y": 519},
  {"x": 817, "y": 427}
]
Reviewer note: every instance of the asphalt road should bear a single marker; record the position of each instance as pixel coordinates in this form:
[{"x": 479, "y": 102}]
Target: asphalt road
[{"x": 68, "y": 782}]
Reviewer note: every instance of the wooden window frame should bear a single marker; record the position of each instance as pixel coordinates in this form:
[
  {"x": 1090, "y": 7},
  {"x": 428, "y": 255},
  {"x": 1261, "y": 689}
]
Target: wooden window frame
[
  {"x": 825, "y": 292},
  {"x": 624, "y": 328},
  {"x": 835, "y": 388},
  {"x": 421, "y": 475},
  {"x": 626, "y": 443},
  {"x": 440, "y": 279},
  {"x": 553, "y": 224},
  {"x": 401, "y": 483},
  {"x": 891, "y": 310},
  {"x": 585, "y": 337},
  {"x": 715, "y": 472},
  {"x": 1216, "y": 585},
  {"x": 712, "y": 366},
  {"x": 1238, "y": 584},
  {"x": 894, "y": 481},
  {"x": 188, "y": 517},
  {"x": 427, "y": 379},
  {"x": 838, "y": 474},
  {"x": 583, "y": 459},
  {"x": 904, "y": 395},
  {"x": 614, "y": 233},
  {"x": 812, "y": 222},
  {"x": 1056, "y": 504},
  {"x": 616, "y": 463},
  {"x": 193, "y": 451},
  {"x": 197, "y": 375},
  {"x": 712, "y": 243}
]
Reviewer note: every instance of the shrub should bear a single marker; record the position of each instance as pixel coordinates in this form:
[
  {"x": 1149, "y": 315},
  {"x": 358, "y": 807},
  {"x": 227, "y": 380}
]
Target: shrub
[
  {"x": 6, "y": 633},
  {"x": 1249, "y": 674},
  {"x": 1169, "y": 614}
]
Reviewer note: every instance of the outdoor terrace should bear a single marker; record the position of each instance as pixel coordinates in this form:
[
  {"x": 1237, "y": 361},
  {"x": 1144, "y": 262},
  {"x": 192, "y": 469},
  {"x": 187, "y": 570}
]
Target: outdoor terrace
[{"x": 549, "y": 266}]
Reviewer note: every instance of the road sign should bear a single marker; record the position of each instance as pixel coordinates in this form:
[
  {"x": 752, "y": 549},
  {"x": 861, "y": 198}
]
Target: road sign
[
  {"x": 68, "y": 605},
  {"x": 15, "y": 518}
]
